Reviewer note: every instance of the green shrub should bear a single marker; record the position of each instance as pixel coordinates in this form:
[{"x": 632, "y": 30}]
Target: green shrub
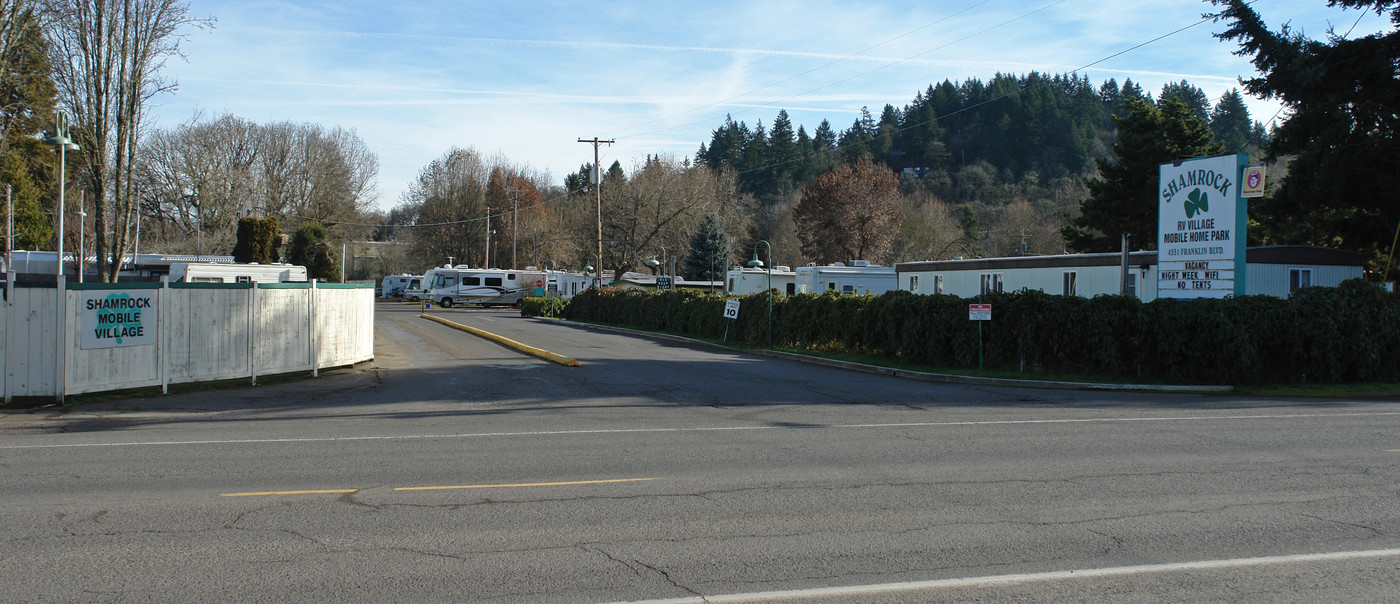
[
  {"x": 1348, "y": 333},
  {"x": 542, "y": 307}
]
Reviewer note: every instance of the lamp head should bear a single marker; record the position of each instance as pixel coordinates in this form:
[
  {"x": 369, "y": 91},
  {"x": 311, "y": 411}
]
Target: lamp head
[{"x": 755, "y": 263}]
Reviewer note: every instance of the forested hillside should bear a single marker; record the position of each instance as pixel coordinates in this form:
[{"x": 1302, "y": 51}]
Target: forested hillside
[{"x": 1005, "y": 157}]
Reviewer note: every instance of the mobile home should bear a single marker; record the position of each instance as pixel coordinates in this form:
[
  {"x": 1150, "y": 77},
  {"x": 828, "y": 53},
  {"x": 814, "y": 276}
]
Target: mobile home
[
  {"x": 208, "y": 272},
  {"x": 744, "y": 281},
  {"x": 1271, "y": 270},
  {"x": 859, "y": 278}
]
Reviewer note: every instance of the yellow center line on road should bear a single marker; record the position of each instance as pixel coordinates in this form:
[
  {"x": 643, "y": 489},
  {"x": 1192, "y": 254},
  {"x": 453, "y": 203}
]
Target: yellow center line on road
[
  {"x": 442, "y": 488},
  {"x": 268, "y": 493},
  {"x": 525, "y": 484}
]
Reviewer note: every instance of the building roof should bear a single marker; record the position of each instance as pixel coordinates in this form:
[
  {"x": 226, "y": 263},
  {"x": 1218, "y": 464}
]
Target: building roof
[{"x": 1274, "y": 254}]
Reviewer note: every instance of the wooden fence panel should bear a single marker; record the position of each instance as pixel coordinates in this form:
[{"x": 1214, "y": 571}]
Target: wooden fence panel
[
  {"x": 283, "y": 333},
  {"x": 31, "y": 342},
  {"x": 344, "y": 325},
  {"x": 209, "y": 332}
]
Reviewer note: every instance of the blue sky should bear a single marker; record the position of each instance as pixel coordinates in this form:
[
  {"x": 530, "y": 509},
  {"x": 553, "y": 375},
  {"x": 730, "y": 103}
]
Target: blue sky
[{"x": 525, "y": 80}]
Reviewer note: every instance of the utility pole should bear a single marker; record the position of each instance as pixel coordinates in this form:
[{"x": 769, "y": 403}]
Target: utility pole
[
  {"x": 487, "y": 264},
  {"x": 514, "y": 224},
  {"x": 598, "y": 193}
]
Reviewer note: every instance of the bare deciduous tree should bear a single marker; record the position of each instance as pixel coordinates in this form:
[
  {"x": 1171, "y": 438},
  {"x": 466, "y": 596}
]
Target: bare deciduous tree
[
  {"x": 930, "y": 231},
  {"x": 107, "y": 56},
  {"x": 201, "y": 177},
  {"x": 660, "y": 205},
  {"x": 851, "y": 213}
]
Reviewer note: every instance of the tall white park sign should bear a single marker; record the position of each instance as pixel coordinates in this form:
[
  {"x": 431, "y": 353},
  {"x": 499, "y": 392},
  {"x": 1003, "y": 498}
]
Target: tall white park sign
[{"x": 1201, "y": 222}]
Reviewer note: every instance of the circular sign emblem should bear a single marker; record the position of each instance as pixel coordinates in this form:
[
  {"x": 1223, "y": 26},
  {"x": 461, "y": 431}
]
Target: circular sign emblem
[
  {"x": 539, "y": 283},
  {"x": 1253, "y": 179}
]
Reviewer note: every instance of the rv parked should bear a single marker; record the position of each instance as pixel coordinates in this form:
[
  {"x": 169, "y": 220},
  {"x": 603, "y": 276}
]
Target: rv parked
[
  {"x": 418, "y": 287},
  {"x": 394, "y": 286},
  {"x": 481, "y": 286}
]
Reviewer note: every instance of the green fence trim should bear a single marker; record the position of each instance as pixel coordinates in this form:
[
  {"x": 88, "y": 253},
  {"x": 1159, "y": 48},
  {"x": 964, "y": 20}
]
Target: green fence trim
[
  {"x": 130, "y": 285},
  {"x": 183, "y": 285},
  {"x": 343, "y": 286},
  {"x": 284, "y": 286}
]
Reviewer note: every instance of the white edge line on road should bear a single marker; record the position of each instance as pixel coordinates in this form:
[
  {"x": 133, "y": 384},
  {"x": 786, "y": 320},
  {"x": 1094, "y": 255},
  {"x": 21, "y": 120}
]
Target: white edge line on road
[
  {"x": 240, "y": 441},
  {"x": 999, "y": 580}
]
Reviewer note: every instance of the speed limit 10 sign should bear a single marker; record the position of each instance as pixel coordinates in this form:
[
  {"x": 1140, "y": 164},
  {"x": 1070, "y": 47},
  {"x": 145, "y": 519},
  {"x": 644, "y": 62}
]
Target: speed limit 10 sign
[{"x": 731, "y": 309}]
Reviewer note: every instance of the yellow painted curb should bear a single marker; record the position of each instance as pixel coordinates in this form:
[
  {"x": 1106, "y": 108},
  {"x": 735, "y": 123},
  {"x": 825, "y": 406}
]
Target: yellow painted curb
[{"x": 507, "y": 342}]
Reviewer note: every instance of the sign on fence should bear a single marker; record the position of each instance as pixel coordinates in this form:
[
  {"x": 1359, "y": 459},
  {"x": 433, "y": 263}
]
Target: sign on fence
[{"x": 111, "y": 318}]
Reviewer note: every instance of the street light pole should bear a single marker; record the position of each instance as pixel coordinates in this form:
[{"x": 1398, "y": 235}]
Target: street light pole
[
  {"x": 60, "y": 139},
  {"x": 759, "y": 263}
]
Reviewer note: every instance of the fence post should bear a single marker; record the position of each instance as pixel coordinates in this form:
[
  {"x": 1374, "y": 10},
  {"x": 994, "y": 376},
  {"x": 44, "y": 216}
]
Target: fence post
[
  {"x": 5, "y": 316},
  {"x": 253, "y": 334},
  {"x": 163, "y": 339},
  {"x": 311, "y": 318},
  {"x": 60, "y": 368}
]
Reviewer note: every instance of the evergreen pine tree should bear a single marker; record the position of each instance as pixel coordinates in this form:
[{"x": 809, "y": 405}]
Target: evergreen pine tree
[
  {"x": 1123, "y": 198},
  {"x": 708, "y": 258},
  {"x": 1230, "y": 122}
]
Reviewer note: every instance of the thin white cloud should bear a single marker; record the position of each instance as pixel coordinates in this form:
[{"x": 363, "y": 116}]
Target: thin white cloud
[{"x": 528, "y": 79}]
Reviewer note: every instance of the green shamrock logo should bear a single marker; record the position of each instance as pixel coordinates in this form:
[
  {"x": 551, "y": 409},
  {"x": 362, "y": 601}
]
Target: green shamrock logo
[{"x": 1196, "y": 203}]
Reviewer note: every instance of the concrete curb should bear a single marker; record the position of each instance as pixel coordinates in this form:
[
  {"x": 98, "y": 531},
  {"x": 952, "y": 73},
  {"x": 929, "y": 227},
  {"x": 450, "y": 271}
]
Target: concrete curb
[
  {"x": 507, "y": 342},
  {"x": 913, "y": 375}
]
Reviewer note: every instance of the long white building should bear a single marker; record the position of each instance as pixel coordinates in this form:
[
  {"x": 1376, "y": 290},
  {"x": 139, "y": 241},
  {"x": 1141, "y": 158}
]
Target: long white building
[{"x": 1272, "y": 270}]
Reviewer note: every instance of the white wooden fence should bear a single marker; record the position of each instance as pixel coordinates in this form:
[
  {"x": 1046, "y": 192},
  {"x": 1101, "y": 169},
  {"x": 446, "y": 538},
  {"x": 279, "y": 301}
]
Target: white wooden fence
[{"x": 179, "y": 332}]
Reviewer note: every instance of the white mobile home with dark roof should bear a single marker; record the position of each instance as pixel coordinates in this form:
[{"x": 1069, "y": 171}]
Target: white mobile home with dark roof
[{"x": 1272, "y": 270}]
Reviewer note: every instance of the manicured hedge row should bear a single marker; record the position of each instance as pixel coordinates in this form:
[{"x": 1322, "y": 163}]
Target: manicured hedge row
[
  {"x": 542, "y": 307},
  {"x": 1350, "y": 333}
]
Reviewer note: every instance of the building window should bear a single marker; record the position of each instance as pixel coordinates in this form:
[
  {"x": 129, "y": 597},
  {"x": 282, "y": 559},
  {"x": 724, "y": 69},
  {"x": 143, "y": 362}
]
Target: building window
[
  {"x": 1131, "y": 286},
  {"x": 1070, "y": 278},
  {"x": 938, "y": 284},
  {"x": 831, "y": 285},
  {"x": 914, "y": 283},
  {"x": 992, "y": 282},
  {"x": 791, "y": 289},
  {"x": 245, "y": 279},
  {"x": 847, "y": 289},
  {"x": 1299, "y": 278}
]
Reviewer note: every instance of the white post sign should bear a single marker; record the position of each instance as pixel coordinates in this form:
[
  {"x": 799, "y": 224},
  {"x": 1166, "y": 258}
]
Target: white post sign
[
  {"x": 111, "y": 318},
  {"x": 1201, "y": 223}
]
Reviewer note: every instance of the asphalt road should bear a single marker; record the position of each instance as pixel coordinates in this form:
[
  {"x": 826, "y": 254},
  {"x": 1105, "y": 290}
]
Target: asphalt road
[{"x": 455, "y": 469}]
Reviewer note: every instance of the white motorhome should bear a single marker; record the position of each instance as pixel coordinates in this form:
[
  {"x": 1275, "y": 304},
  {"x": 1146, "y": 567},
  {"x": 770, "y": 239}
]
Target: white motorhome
[
  {"x": 563, "y": 284},
  {"x": 208, "y": 272},
  {"x": 395, "y": 285},
  {"x": 481, "y": 286},
  {"x": 418, "y": 287},
  {"x": 860, "y": 278},
  {"x": 744, "y": 281}
]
